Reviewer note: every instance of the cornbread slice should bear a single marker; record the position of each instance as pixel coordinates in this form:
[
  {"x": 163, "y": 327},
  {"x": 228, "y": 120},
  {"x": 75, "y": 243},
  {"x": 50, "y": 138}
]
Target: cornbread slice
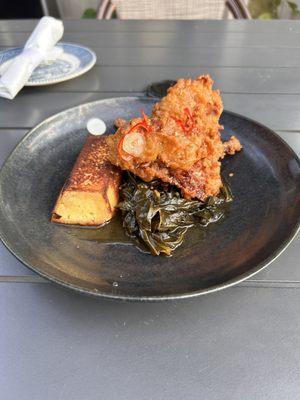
[{"x": 91, "y": 193}]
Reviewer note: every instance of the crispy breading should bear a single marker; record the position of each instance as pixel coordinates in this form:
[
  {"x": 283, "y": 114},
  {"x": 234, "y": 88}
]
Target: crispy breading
[
  {"x": 232, "y": 146},
  {"x": 180, "y": 143}
]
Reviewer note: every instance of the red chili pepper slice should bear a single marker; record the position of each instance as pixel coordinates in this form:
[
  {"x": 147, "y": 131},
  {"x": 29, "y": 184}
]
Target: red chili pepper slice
[
  {"x": 144, "y": 115},
  {"x": 188, "y": 112},
  {"x": 146, "y": 118},
  {"x": 184, "y": 125},
  {"x": 139, "y": 124}
]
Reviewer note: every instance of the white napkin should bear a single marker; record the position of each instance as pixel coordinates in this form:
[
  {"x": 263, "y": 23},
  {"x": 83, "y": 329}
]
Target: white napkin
[{"x": 38, "y": 47}]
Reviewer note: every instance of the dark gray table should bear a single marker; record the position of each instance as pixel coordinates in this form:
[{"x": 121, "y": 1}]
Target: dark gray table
[{"x": 242, "y": 343}]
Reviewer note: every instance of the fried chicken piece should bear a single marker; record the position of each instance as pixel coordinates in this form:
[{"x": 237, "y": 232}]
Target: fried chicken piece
[
  {"x": 119, "y": 122},
  {"x": 232, "y": 146},
  {"x": 179, "y": 144}
]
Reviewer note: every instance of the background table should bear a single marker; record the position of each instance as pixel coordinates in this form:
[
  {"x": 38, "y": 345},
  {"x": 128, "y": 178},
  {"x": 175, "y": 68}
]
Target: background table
[{"x": 242, "y": 343}]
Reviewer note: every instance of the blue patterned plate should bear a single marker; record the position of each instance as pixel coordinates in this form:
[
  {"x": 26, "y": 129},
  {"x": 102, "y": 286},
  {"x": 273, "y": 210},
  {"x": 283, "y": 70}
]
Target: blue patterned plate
[{"x": 72, "y": 60}]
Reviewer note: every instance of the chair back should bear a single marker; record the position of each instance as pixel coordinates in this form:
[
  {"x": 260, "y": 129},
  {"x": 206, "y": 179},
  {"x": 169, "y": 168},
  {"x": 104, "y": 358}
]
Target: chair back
[{"x": 172, "y": 9}]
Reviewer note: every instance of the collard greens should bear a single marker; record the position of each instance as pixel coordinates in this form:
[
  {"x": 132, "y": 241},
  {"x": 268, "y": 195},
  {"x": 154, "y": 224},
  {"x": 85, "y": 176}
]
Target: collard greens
[{"x": 158, "y": 217}]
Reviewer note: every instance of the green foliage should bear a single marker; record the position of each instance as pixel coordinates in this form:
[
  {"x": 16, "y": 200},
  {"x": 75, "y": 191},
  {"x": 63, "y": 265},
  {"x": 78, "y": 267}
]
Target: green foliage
[
  {"x": 265, "y": 15},
  {"x": 294, "y": 8},
  {"x": 89, "y": 13},
  {"x": 268, "y": 9}
]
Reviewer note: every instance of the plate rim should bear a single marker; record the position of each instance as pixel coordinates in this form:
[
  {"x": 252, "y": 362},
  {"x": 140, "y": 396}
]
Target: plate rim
[
  {"x": 75, "y": 74},
  {"x": 131, "y": 298}
]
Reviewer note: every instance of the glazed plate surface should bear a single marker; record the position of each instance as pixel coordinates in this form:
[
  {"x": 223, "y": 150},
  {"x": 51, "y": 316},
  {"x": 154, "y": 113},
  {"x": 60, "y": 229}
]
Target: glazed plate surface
[{"x": 263, "y": 218}]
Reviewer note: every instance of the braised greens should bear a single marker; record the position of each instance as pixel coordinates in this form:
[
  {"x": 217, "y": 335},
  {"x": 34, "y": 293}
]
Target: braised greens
[{"x": 158, "y": 217}]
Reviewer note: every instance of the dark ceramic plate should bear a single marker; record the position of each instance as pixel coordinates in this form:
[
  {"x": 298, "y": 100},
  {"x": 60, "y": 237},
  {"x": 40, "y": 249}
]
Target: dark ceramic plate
[{"x": 262, "y": 220}]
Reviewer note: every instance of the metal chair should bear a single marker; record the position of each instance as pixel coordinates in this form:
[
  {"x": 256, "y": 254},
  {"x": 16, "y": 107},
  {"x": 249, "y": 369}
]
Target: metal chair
[
  {"x": 147, "y": 9},
  {"x": 238, "y": 9}
]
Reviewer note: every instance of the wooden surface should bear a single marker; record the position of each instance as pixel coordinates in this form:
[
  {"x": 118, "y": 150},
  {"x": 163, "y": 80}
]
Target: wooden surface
[{"x": 243, "y": 343}]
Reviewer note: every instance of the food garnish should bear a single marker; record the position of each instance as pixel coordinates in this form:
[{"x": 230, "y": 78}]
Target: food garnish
[
  {"x": 188, "y": 124},
  {"x": 132, "y": 143}
]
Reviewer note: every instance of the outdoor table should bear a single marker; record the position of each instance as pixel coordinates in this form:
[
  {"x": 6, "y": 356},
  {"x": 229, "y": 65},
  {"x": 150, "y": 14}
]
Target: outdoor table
[{"x": 240, "y": 343}]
